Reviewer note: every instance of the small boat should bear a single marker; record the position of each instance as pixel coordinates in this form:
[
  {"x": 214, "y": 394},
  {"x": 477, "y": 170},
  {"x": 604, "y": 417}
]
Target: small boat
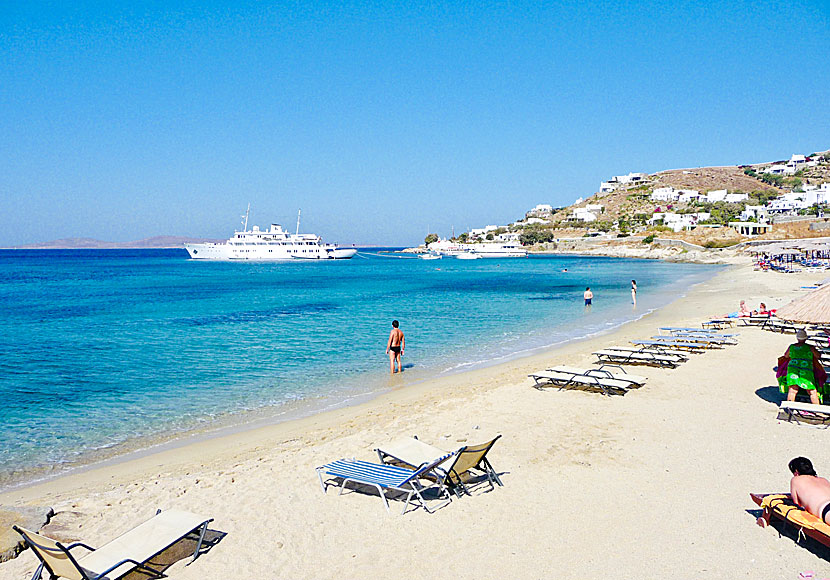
[
  {"x": 468, "y": 256},
  {"x": 430, "y": 256}
]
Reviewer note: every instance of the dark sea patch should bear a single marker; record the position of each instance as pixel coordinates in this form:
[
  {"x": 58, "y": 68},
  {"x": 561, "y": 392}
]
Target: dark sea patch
[{"x": 260, "y": 315}]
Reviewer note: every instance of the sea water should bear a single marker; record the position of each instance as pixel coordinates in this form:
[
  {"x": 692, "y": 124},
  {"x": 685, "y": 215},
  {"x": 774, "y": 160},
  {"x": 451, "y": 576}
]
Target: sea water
[{"x": 103, "y": 351}]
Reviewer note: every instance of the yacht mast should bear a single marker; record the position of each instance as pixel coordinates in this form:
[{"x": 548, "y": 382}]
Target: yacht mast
[
  {"x": 245, "y": 223},
  {"x": 298, "y": 222}
]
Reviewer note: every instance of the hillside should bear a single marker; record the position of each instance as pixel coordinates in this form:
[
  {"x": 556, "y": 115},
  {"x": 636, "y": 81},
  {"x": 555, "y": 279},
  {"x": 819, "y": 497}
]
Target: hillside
[
  {"x": 630, "y": 204},
  {"x": 93, "y": 244}
]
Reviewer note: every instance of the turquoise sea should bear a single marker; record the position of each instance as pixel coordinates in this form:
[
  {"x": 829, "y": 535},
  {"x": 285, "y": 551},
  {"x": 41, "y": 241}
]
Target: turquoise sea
[{"x": 104, "y": 351}]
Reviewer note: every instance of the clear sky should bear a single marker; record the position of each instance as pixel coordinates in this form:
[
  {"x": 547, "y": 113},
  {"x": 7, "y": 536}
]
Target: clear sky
[{"x": 380, "y": 120}]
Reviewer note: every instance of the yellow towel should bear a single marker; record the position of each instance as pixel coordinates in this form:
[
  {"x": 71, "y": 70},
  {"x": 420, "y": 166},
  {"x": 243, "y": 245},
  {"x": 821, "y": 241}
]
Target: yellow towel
[{"x": 782, "y": 505}]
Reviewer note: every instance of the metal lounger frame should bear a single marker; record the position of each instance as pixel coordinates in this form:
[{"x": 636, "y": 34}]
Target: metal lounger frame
[{"x": 138, "y": 565}]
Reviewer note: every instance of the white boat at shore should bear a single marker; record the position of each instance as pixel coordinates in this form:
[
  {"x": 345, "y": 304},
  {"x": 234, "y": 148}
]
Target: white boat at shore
[
  {"x": 482, "y": 250},
  {"x": 271, "y": 245}
]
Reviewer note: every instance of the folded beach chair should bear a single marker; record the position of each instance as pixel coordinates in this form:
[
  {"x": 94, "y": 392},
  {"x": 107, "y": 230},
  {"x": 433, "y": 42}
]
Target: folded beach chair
[
  {"x": 672, "y": 344},
  {"x": 637, "y": 357},
  {"x": 455, "y": 473},
  {"x": 126, "y": 553},
  {"x": 387, "y": 477},
  {"x": 586, "y": 382},
  {"x": 602, "y": 371},
  {"x": 796, "y": 412},
  {"x": 780, "y": 506},
  {"x": 678, "y": 330}
]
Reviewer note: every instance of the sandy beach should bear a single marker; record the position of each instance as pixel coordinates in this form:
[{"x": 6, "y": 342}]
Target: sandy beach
[{"x": 652, "y": 484}]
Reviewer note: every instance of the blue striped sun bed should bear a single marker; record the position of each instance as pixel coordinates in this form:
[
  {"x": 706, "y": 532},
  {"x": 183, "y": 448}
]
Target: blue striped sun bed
[{"x": 385, "y": 477}]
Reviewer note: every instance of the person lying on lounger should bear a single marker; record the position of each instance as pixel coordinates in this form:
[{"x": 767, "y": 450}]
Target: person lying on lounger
[{"x": 809, "y": 490}]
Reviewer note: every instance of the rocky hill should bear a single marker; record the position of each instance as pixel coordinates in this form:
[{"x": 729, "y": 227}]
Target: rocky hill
[
  {"x": 93, "y": 244},
  {"x": 632, "y": 203}
]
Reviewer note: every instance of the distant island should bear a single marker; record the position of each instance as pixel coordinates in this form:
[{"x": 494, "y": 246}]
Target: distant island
[{"x": 156, "y": 242}]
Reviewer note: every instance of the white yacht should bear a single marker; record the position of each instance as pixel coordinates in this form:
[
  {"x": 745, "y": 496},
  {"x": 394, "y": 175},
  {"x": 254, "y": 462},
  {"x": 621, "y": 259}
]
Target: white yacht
[{"x": 273, "y": 244}]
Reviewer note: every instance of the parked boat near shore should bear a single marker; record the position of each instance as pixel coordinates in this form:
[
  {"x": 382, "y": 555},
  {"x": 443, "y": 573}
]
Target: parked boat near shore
[{"x": 273, "y": 244}]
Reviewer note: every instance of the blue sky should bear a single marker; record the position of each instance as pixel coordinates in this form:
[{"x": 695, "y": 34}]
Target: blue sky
[{"x": 381, "y": 120}]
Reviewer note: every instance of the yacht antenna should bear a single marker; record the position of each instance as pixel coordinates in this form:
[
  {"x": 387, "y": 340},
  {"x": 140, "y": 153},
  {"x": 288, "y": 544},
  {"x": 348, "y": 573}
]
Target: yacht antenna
[
  {"x": 245, "y": 223},
  {"x": 298, "y": 222}
]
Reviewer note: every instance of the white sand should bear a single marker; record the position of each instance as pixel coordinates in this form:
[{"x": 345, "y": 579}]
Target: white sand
[{"x": 653, "y": 484}]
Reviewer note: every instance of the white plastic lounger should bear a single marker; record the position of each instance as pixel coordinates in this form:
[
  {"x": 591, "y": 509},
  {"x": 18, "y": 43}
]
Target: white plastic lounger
[
  {"x": 602, "y": 371},
  {"x": 126, "y": 553},
  {"x": 718, "y": 323},
  {"x": 678, "y": 355},
  {"x": 701, "y": 340},
  {"x": 563, "y": 380},
  {"x": 690, "y": 330},
  {"x": 384, "y": 477},
  {"x": 455, "y": 473},
  {"x": 673, "y": 344},
  {"x": 637, "y": 357},
  {"x": 818, "y": 415}
]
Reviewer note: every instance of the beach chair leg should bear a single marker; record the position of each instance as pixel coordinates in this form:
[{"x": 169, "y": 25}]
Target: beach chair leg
[
  {"x": 492, "y": 472},
  {"x": 38, "y": 573},
  {"x": 201, "y": 539},
  {"x": 320, "y": 477}
]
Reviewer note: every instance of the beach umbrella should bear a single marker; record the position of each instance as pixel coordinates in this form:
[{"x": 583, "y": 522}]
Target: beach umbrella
[{"x": 814, "y": 308}]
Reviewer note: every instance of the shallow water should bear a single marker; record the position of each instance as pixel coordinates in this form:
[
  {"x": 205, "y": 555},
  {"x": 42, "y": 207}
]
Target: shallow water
[{"x": 99, "y": 348}]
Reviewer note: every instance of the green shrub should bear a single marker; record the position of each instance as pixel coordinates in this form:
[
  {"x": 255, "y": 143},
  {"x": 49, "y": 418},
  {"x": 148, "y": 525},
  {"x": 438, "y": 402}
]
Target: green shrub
[
  {"x": 648, "y": 239},
  {"x": 715, "y": 244}
]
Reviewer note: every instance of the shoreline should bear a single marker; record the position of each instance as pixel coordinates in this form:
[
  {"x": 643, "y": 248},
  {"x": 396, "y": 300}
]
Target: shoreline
[
  {"x": 233, "y": 423},
  {"x": 661, "y": 449}
]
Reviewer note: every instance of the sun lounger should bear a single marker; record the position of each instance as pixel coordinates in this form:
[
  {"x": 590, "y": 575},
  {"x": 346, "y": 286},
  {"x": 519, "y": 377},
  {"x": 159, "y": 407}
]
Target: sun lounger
[
  {"x": 707, "y": 341},
  {"x": 678, "y": 355},
  {"x": 781, "y": 507},
  {"x": 796, "y": 412},
  {"x": 128, "y": 552},
  {"x": 717, "y": 339},
  {"x": 602, "y": 371},
  {"x": 454, "y": 472},
  {"x": 718, "y": 323},
  {"x": 563, "y": 380},
  {"x": 678, "y": 330},
  {"x": 673, "y": 344},
  {"x": 386, "y": 477},
  {"x": 637, "y": 357}
]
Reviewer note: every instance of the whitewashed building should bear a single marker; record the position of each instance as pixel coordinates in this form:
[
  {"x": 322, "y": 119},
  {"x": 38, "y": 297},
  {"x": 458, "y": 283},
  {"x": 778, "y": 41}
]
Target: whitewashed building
[
  {"x": 716, "y": 195},
  {"x": 735, "y": 197},
  {"x": 687, "y": 195},
  {"x": 664, "y": 194}
]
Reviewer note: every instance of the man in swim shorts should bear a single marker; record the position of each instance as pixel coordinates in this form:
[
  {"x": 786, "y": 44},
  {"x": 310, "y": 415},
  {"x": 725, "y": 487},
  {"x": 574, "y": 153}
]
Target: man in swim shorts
[
  {"x": 800, "y": 374},
  {"x": 809, "y": 490},
  {"x": 588, "y": 295},
  {"x": 394, "y": 347}
]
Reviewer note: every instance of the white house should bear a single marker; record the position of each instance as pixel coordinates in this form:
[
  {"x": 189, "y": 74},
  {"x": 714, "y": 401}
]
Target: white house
[
  {"x": 483, "y": 231},
  {"x": 630, "y": 178},
  {"x": 758, "y": 212},
  {"x": 581, "y": 214},
  {"x": 779, "y": 169},
  {"x": 679, "y": 221},
  {"x": 542, "y": 208},
  {"x": 735, "y": 197},
  {"x": 687, "y": 195},
  {"x": 716, "y": 195},
  {"x": 534, "y": 220},
  {"x": 508, "y": 237},
  {"x": 664, "y": 194},
  {"x": 607, "y": 187},
  {"x": 593, "y": 207}
]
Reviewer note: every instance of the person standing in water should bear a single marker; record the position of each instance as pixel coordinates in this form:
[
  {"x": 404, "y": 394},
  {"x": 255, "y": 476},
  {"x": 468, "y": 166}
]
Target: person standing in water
[
  {"x": 394, "y": 347},
  {"x": 634, "y": 292},
  {"x": 588, "y": 295}
]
